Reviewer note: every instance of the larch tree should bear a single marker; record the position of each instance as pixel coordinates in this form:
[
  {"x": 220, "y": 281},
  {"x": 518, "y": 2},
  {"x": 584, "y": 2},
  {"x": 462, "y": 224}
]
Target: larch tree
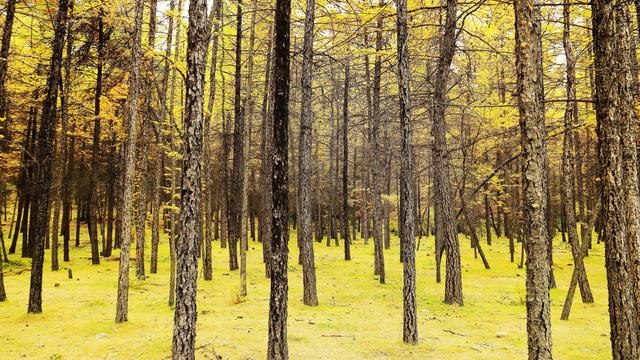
[
  {"x": 615, "y": 128},
  {"x": 277, "y": 348},
  {"x": 532, "y": 133},
  {"x": 410, "y": 316},
  {"x": 190, "y": 235},
  {"x": 44, "y": 158},
  {"x": 122, "y": 305},
  {"x": 305, "y": 234},
  {"x": 446, "y": 221}
]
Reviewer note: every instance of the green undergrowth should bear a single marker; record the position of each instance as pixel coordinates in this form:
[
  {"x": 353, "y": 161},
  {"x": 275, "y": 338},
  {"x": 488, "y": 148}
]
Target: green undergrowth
[{"x": 358, "y": 318}]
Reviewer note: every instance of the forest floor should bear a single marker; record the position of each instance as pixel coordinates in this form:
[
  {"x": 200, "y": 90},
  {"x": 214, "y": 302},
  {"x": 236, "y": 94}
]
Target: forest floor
[{"x": 358, "y": 318}]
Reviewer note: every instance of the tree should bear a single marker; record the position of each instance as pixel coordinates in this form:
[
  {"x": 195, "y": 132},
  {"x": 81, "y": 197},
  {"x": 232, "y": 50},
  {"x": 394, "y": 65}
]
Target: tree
[
  {"x": 410, "y": 316},
  {"x": 532, "y": 133},
  {"x": 190, "y": 236},
  {"x": 345, "y": 166},
  {"x": 5, "y": 134},
  {"x": 446, "y": 221},
  {"x": 129, "y": 166},
  {"x": 616, "y": 124},
  {"x": 279, "y": 251},
  {"x": 305, "y": 236},
  {"x": 44, "y": 158}
]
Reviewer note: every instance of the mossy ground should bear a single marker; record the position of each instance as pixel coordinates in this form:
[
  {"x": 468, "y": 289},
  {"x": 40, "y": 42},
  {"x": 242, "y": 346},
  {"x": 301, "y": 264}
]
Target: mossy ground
[{"x": 358, "y": 318}]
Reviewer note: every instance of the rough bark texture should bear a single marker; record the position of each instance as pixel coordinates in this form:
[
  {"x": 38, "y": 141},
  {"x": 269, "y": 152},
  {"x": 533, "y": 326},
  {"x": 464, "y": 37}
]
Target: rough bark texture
[
  {"x": 44, "y": 159},
  {"x": 277, "y": 346},
  {"x": 184, "y": 330},
  {"x": 410, "y": 317},
  {"x": 305, "y": 234},
  {"x": 532, "y": 133},
  {"x": 129, "y": 167},
  {"x": 615, "y": 117},
  {"x": 442, "y": 181}
]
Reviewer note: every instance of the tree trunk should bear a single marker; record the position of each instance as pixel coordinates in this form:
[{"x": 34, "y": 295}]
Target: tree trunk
[
  {"x": 129, "y": 166},
  {"x": 5, "y": 131},
  {"x": 184, "y": 331},
  {"x": 305, "y": 235},
  {"x": 277, "y": 344},
  {"x": 410, "y": 317},
  {"x": 345, "y": 167},
  {"x": 614, "y": 114},
  {"x": 443, "y": 191},
  {"x": 532, "y": 132},
  {"x": 44, "y": 159}
]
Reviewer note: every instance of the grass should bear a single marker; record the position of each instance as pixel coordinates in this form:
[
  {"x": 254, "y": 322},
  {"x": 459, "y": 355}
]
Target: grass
[{"x": 358, "y": 318}]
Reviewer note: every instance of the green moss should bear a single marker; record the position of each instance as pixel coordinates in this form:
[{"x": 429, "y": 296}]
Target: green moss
[{"x": 358, "y": 318}]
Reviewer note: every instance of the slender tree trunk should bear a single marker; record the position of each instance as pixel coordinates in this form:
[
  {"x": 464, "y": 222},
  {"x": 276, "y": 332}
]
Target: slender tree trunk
[
  {"x": 410, "y": 317},
  {"x": 440, "y": 154},
  {"x": 5, "y": 131},
  {"x": 305, "y": 232},
  {"x": 345, "y": 167},
  {"x": 129, "y": 166}
]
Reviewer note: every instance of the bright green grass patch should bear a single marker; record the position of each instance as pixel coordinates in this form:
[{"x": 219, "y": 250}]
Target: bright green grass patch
[{"x": 358, "y": 318}]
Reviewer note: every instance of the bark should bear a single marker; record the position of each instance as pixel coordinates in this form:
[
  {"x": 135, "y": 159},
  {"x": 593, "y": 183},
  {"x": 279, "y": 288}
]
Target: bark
[
  {"x": 305, "y": 231},
  {"x": 614, "y": 115},
  {"x": 184, "y": 331},
  {"x": 266, "y": 162},
  {"x": 345, "y": 167},
  {"x": 277, "y": 343},
  {"x": 443, "y": 191},
  {"x": 129, "y": 166},
  {"x": 237, "y": 173},
  {"x": 92, "y": 221},
  {"x": 3, "y": 293},
  {"x": 5, "y": 131},
  {"x": 410, "y": 318},
  {"x": 568, "y": 180},
  {"x": 532, "y": 135},
  {"x": 44, "y": 158},
  {"x": 207, "y": 261},
  {"x": 376, "y": 150}
]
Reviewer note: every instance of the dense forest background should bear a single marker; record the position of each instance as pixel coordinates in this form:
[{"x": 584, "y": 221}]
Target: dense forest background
[{"x": 156, "y": 132}]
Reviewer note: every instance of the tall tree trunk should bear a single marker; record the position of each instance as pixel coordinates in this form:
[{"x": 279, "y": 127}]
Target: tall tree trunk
[
  {"x": 571, "y": 115},
  {"x": 237, "y": 174},
  {"x": 92, "y": 220},
  {"x": 410, "y": 316},
  {"x": 305, "y": 235},
  {"x": 345, "y": 167},
  {"x": 184, "y": 331},
  {"x": 129, "y": 166},
  {"x": 614, "y": 114},
  {"x": 376, "y": 151},
  {"x": 277, "y": 344},
  {"x": 44, "y": 158},
  {"x": 532, "y": 132},
  {"x": 266, "y": 160},
  {"x": 5, "y": 131},
  {"x": 443, "y": 191}
]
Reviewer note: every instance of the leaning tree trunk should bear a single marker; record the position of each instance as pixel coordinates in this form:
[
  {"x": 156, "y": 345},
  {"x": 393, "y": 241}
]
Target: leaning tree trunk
[
  {"x": 614, "y": 114},
  {"x": 129, "y": 166},
  {"x": 571, "y": 114},
  {"x": 532, "y": 132},
  {"x": 410, "y": 317},
  {"x": 305, "y": 234},
  {"x": 277, "y": 344}
]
